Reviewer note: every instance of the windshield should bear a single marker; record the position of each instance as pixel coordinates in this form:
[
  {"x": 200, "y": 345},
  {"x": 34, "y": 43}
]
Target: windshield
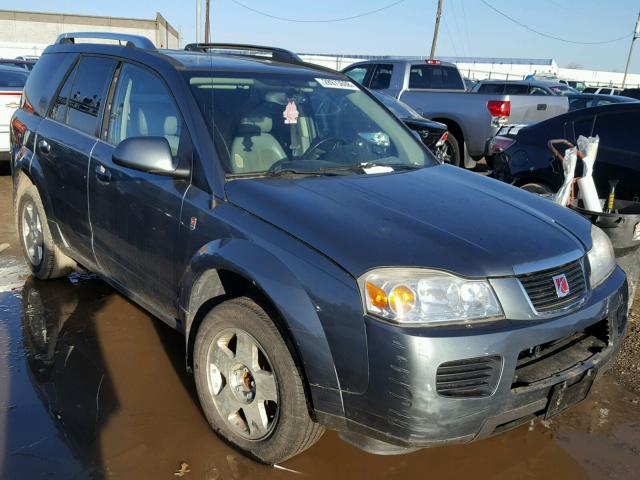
[
  {"x": 399, "y": 109},
  {"x": 562, "y": 89},
  {"x": 265, "y": 123}
]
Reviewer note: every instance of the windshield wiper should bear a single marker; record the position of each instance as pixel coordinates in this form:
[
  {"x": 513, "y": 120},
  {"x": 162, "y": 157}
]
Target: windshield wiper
[
  {"x": 361, "y": 167},
  {"x": 280, "y": 170}
]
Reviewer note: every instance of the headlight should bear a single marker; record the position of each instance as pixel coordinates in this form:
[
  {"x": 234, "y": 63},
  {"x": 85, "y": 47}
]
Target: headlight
[
  {"x": 415, "y": 296},
  {"x": 602, "y": 260}
]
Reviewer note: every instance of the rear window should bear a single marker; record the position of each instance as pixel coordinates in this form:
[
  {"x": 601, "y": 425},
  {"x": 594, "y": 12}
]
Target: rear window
[
  {"x": 491, "y": 88},
  {"x": 44, "y": 80},
  {"x": 12, "y": 79},
  {"x": 437, "y": 77}
]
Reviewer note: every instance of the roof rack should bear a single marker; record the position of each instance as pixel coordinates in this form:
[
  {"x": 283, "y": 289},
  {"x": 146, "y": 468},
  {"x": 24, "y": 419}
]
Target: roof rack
[
  {"x": 129, "y": 40},
  {"x": 279, "y": 54}
]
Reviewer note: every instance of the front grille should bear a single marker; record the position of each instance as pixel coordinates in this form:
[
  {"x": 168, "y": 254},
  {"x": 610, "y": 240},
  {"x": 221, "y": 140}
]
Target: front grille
[
  {"x": 472, "y": 377},
  {"x": 551, "y": 358},
  {"x": 542, "y": 291}
]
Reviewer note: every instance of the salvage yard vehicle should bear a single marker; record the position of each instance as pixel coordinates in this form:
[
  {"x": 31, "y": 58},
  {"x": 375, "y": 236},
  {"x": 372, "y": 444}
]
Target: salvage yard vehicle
[
  {"x": 436, "y": 91},
  {"x": 325, "y": 270},
  {"x": 12, "y": 81},
  {"x": 524, "y": 159},
  {"x": 523, "y": 87},
  {"x": 587, "y": 100},
  {"x": 433, "y": 134}
]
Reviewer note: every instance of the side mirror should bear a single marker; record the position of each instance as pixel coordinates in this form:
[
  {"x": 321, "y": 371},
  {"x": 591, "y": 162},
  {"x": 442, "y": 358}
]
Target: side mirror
[{"x": 147, "y": 154}]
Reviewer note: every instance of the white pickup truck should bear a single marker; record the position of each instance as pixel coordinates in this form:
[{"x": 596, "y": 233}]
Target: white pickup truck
[
  {"x": 12, "y": 82},
  {"x": 437, "y": 91}
]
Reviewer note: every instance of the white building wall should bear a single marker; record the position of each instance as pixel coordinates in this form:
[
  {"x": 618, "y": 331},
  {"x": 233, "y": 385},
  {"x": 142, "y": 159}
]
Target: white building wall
[{"x": 25, "y": 33}]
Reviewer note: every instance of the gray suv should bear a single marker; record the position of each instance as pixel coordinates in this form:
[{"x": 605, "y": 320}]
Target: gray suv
[{"x": 325, "y": 269}]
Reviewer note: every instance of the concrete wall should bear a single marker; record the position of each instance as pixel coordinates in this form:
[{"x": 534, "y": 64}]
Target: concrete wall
[{"x": 28, "y": 33}]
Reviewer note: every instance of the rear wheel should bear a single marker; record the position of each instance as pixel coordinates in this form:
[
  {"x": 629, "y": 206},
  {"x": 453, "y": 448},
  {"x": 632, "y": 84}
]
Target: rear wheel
[
  {"x": 42, "y": 255},
  {"x": 249, "y": 386}
]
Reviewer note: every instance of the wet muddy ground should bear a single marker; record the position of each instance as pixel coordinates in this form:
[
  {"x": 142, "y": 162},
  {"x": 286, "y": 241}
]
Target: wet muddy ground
[{"x": 91, "y": 387}]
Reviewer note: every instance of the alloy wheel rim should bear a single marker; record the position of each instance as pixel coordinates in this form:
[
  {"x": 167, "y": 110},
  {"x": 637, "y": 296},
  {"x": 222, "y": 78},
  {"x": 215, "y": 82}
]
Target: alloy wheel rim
[
  {"x": 242, "y": 384},
  {"x": 32, "y": 238},
  {"x": 445, "y": 153}
]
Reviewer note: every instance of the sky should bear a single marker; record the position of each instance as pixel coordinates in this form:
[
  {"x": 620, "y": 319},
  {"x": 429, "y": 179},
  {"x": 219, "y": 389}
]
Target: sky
[{"x": 468, "y": 28}]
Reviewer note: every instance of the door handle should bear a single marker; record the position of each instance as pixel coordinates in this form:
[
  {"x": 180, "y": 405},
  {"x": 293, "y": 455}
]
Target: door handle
[
  {"x": 102, "y": 173},
  {"x": 44, "y": 146}
]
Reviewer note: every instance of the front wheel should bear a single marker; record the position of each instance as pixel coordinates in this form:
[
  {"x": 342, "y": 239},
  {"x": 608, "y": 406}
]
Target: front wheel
[
  {"x": 249, "y": 385},
  {"x": 449, "y": 152}
]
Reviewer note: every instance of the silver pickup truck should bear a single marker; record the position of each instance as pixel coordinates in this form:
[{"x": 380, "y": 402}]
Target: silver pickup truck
[{"x": 437, "y": 91}]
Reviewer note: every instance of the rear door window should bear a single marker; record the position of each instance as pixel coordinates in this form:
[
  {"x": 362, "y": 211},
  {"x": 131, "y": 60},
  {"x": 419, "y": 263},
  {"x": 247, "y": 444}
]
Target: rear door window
[
  {"x": 381, "y": 78},
  {"x": 59, "y": 108},
  {"x": 437, "y": 77},
  {"x": 88, "y": 93},
  {"x": 143, "y": 107}
]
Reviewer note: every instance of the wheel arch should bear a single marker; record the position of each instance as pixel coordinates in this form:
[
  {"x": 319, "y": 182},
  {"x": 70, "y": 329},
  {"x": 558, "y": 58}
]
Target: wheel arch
[{"x": 229, "y": 268}]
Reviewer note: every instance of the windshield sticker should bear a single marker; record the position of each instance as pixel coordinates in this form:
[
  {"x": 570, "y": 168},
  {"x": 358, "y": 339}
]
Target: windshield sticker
[
  {"x": 291, "y": 113},
  {"x": 335, "y": 83},
  {"x": 377, "y": 169}
]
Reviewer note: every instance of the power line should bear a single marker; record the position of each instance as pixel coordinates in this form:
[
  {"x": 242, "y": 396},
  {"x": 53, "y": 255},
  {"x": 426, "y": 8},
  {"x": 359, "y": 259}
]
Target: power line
[
  {"x": 548, "y": 35},
  {"x": 446, "y": 27},
  {"x": 341, "y": 19}
]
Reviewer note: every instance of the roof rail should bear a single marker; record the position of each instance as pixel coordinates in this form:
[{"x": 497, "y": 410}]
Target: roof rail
[
  {"x": 279, "y": 54},
  {"x": 130, "y": 40}
]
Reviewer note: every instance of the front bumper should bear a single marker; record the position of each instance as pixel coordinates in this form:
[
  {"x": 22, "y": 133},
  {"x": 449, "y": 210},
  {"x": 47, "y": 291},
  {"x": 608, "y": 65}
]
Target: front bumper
[{"x": 403, "y": 408}]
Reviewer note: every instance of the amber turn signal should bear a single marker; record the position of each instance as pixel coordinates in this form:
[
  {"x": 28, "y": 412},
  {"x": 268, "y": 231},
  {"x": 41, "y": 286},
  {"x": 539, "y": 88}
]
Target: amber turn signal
[{"x": 377, "y": 297}]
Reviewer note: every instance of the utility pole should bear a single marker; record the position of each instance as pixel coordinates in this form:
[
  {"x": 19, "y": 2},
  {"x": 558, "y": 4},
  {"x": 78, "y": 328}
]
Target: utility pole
[
  {"x": 435, "y": 31},
  {"x": 206, "y": 21},
  {"x": 636, "y": 34},
  {"x": 198, "y": 19}
]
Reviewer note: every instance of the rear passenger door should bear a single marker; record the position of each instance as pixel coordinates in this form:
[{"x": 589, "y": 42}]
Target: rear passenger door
[
  {"x": 64, "y": 143},
  {"x": 135, "y": 216}
]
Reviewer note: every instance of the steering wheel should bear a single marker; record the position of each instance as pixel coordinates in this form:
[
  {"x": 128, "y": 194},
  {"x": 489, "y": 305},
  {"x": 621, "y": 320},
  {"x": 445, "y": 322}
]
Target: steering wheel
[{"x": 317, "y": 144}]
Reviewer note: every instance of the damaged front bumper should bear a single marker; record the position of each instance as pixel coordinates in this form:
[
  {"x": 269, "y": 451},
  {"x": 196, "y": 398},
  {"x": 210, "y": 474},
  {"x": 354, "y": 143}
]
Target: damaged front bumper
[{"x": 435, "y": 386}]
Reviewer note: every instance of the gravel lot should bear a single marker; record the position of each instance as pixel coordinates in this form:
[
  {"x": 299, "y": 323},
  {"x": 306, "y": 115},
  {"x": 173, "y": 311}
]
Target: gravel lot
[{"x": 627, "y": 366}]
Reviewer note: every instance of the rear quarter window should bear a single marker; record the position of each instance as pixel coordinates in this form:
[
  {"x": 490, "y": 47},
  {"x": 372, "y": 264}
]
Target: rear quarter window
[
  {"x": 614, "y": 132},
  {"x": 44, "y": 80},
  {"x": 436, "y": 77}
]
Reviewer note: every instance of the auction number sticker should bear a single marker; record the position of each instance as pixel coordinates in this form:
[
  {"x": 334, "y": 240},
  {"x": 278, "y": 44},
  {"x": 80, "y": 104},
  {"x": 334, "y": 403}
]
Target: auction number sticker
[{"x": 336, "y": 83}]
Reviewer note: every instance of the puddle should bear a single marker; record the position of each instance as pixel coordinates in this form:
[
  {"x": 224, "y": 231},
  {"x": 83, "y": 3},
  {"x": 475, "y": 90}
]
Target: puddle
[{"x": 91, "y": 386}]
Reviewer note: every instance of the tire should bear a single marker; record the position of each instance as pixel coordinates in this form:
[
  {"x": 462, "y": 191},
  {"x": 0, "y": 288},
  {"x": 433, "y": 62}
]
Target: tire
[
  {"x": 537, "y": 188},
  {"x": 451, "y": 148},
  {"x": 285, "y": 428},
  {"x": 42, "y": 255}
]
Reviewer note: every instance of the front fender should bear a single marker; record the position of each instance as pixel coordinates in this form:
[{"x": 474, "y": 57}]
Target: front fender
[{"x": 274, "y": 280}]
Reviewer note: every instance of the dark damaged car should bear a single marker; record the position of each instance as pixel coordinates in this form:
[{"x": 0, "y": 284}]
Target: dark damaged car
[{"x": 326, "y": 270}]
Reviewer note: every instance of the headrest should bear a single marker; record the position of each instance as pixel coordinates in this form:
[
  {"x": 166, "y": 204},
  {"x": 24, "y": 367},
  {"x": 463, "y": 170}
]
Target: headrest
[
  {"x": 260, "y": 122},
  {"x": 171, "y": 125}
]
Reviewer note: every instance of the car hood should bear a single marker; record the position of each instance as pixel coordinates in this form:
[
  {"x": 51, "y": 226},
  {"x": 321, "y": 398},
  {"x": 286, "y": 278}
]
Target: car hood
[{"x": 439, "y": 217}]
